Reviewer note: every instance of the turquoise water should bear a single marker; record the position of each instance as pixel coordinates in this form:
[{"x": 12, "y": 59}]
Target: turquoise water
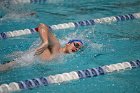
[{"x": 104, "y": 44}]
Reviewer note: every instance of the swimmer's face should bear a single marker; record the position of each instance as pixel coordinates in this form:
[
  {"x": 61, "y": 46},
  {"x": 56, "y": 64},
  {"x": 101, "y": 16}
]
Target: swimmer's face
[{"x": 73, "y": 47}]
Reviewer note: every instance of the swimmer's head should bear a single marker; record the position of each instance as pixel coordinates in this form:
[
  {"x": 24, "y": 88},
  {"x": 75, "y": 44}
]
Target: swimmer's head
[{"x": 74, "y": 45}]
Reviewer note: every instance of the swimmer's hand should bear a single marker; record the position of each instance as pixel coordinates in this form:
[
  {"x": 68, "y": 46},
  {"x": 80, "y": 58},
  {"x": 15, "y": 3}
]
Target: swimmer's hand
[{"x": 41, "y": 48}]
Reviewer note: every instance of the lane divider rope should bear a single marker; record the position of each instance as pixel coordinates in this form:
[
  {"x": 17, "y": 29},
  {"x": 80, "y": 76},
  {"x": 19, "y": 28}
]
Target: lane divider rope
[
  {"x": 30, "y": 1},
  {"x": 4, "y": 35},
  {"x": 73, "y": 75}
]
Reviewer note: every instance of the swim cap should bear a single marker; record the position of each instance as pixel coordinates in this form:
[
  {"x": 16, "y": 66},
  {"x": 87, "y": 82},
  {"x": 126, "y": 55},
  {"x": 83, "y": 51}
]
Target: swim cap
[{"x": 75, "y": 40}]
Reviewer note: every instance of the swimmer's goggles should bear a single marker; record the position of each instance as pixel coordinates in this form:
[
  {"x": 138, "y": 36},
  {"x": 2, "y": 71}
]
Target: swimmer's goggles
[{"x": 77, "y": 45}]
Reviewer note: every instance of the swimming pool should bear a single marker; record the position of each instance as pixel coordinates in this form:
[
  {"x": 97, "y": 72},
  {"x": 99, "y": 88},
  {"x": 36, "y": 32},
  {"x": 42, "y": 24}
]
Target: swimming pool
[{"x": 104, "y": 44}]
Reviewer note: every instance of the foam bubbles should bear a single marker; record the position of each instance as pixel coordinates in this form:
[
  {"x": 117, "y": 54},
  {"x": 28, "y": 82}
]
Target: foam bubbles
[{"x": 26, "y": 58}]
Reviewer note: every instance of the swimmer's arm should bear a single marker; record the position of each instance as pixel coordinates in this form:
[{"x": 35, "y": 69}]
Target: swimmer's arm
[
  {"x": 48, "y": 40},
  {"x": 53, "y": 42},
  {"x": 47, "y": 36},
  {"x": 7, "y": 66}
]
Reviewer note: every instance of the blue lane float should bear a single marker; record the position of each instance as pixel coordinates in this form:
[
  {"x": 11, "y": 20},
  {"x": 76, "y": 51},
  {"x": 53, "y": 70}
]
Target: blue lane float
[
  {"x": 16, "y": 33},
  {"x": 74, "y": 75},
  {"x": 29, "y": 1},
  {"x": 35, "y": 1}
]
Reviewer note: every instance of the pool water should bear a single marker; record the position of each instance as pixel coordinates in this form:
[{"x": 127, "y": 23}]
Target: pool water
[{"x": 104, "y": 44}]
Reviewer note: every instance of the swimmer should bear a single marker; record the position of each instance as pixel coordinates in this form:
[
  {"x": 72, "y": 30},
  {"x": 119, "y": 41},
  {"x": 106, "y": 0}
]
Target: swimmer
[{"x": 49, "y": 48}]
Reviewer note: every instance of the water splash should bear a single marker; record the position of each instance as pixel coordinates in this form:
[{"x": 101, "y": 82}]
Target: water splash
[
  {"x": 87, "y": 36},
  {"x": 23, "y": 58}
]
